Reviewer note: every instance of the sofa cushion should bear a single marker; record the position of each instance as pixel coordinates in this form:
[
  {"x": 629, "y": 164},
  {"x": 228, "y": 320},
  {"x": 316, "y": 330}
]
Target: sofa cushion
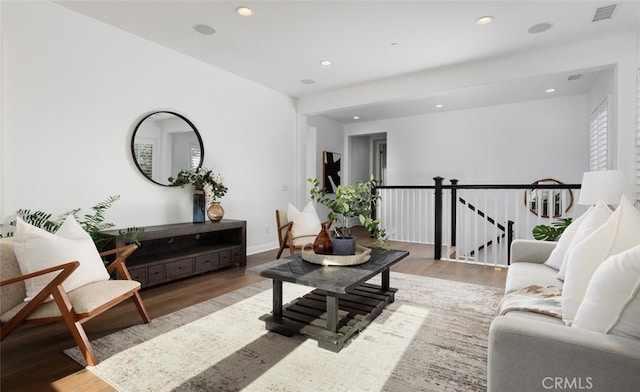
[
  {"x": 526, "y": 274},
  {"x": 37, "y": 249},
  {"x": 534, "y": 317},
  {"x": 612, "y": 301},
  {"x": 619, "y": 233},
  {"x": 596, "y": 218},
  {"x": 564, "y": 243}
]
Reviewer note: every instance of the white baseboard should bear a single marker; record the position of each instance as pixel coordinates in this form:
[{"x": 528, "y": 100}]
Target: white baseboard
[{"x": 262, "y": 248}]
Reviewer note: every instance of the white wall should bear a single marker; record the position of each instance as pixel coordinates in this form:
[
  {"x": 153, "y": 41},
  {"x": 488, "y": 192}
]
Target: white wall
[
  {"x": 73, "y": 90},
  {"x": 619, "y": 51},
  {"x": 514, "y": 143},
  {"x": 329, "y": 136},
  {"x": 360, "y": 164}
]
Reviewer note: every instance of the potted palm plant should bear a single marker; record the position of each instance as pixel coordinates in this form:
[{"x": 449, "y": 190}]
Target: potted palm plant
[{"x": 350, "y": 201}]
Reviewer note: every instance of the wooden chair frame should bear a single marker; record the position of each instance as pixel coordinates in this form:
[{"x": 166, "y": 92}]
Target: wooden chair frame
[
  {"x": 71, "y": 319},
  {"x": 285, "y": 235}
]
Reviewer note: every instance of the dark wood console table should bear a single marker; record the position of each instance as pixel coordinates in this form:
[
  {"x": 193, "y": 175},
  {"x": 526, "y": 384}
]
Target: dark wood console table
[{"x": 174, "y": 251}]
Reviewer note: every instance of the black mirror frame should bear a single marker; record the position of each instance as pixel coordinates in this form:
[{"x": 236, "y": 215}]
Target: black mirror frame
[{"x": 133, "y": 137}]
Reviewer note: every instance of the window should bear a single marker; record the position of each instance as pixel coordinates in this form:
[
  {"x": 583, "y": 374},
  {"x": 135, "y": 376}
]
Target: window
[
  {"x": 144, "y": 157},
  {"x": 195, "y": 156},
  {"x": 598, "y": 138}
]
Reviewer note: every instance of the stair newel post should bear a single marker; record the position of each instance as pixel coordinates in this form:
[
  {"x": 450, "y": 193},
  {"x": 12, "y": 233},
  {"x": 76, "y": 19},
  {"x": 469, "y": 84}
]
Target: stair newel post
[
  {"x": 454, "y": 207},
  {"x": 437, "y": 217}
]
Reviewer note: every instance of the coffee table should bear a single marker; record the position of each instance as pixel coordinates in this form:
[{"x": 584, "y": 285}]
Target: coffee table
[{"x": 342, "y": 303}]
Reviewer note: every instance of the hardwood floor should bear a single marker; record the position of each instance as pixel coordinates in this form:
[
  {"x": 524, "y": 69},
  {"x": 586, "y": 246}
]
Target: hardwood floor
[{"x": 31, "y": 358}]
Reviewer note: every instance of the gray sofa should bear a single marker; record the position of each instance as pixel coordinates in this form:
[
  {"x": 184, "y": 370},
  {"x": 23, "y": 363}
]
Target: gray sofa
[{"x": 534, "y": 352}]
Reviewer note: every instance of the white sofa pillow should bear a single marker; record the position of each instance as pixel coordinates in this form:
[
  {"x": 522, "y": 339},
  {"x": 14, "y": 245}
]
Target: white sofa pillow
[
  {"x": 596, "y": 218},
  {"x": 37, "y": 249},
  {"x": 557, "y": 255},
  {"x": 305, "y": 223},
  {"x": 619, "y": 233},
  {"x": 612, "y": 301}
]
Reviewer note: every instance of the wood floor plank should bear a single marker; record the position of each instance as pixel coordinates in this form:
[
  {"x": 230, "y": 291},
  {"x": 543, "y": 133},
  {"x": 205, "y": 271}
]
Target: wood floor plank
[{"x": 32, "y": 358}]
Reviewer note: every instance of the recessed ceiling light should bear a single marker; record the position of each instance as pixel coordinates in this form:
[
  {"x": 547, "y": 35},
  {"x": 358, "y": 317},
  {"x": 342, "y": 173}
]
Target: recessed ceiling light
[
  {"x": 307, "y": 81},
  {"x": 550, "y": 90},
  {"x": 484, "y": 20},
  {"x": 439, "y": 105},
  {"x": 204, "y": 29},
  {"x": 356, "y": 117},
  {"x": 244, "y": 11},
  {"x": 326, "y": 63},
  {"x": 539, "y": 28}
]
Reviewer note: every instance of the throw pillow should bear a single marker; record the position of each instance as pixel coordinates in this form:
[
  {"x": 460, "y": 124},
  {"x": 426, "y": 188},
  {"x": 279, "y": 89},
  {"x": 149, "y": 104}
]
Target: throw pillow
[
  {"x": 37, "y": 249},
  {"x": 596, "y": 218},
  {"x": 305, "y": 223},
  {"x": 557, "y": 255},
  {"x": 612, "y": 301},
  {"x": 618, "y": 234}
]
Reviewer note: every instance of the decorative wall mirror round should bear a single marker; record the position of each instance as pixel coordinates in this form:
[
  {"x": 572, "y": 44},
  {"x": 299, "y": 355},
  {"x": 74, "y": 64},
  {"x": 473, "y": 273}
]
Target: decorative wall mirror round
[
  {"x": 543, "y": 201},
  {"x": 163, "y": 143}
]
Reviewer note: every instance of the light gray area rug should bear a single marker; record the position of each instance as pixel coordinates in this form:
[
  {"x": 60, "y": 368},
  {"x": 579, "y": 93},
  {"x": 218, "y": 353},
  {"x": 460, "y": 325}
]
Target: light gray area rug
[{"x": 432, "y": 338}]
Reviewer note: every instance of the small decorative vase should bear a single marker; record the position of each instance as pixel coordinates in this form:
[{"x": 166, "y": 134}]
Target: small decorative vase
[
  {"x": 323, "y": 244},
  {"x": 199, "y": 202},
  {"x": 344, "y": 246},
  {"x": 215, "y": 212}
]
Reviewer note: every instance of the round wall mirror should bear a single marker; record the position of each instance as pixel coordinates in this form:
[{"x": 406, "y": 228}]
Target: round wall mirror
[
  {"x": 163, "y": 143},
  {"x": 544, "y": 202}
]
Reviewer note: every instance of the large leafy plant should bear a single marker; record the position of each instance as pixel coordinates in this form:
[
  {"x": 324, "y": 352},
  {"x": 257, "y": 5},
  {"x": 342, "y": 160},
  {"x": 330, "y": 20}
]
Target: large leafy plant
[
  {"x": 351, "y": 201},
  {"x": 92, "y": 223},
  {"x": 552, "y": 232}
]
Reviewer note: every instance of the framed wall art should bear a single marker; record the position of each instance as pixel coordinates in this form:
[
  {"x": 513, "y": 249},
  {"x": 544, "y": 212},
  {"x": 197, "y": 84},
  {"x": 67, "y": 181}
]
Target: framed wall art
[{"x": 330, "y": 171}]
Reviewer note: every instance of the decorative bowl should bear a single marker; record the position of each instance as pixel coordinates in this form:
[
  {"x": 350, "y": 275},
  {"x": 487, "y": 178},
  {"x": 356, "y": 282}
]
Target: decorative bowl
[{"x": 362, "y": 255}]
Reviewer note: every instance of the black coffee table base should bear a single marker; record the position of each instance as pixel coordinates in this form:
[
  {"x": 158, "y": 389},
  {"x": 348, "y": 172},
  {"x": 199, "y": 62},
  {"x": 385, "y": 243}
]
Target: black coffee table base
[{"x": 329, "y": 318}]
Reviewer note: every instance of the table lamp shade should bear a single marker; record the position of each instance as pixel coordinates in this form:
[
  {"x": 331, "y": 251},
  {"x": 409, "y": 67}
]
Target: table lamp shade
[{"x": 605, "y": 185}]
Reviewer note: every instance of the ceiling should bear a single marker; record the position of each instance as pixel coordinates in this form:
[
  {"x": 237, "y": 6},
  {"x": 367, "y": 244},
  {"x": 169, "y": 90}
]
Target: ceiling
[{"x": 283, "y": 42}]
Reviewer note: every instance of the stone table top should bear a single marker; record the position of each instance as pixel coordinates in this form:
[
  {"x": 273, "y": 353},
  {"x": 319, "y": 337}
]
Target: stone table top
[{"x": 336, "y": 279}]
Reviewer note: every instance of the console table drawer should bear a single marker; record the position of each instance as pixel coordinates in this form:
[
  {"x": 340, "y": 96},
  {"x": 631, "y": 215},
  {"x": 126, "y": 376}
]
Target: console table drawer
[
  {"x": 155, "y": 273},
  {"x": 139, "y": 274},
  {"x": 236, "y": 255},
  {"x": 225, "y": 257},
  {"x": 178, "y": 268},
  {"x": 207, "y": 262}
]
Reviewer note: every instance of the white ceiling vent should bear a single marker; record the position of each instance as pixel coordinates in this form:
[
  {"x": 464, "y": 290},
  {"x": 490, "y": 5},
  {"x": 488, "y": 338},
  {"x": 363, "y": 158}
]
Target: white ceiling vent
[
  {"x": 603, "y": 13},
  {"x": 574, "y": 77}
]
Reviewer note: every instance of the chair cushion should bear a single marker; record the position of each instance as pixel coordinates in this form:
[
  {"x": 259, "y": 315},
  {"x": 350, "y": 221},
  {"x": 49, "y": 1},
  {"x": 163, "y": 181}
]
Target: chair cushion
[
  {"x": 306, "y": 224},
  {"x": 11, "y": 294},
  {"x": 37, "y": 249},
  {"x": 84, "y": 299}
]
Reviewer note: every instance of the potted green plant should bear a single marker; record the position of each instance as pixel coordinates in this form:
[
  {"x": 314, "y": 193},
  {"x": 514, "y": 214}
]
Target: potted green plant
[
  {"x": 350, "y": 201},
  {"x": 93, "y": 224},
  {"x": 553, "y": 232}
]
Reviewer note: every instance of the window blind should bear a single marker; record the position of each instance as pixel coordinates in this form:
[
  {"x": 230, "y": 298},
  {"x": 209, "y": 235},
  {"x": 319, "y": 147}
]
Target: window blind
[
  {"x": 598, "y": 138},
  {"x": 195, "y": 157}
]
